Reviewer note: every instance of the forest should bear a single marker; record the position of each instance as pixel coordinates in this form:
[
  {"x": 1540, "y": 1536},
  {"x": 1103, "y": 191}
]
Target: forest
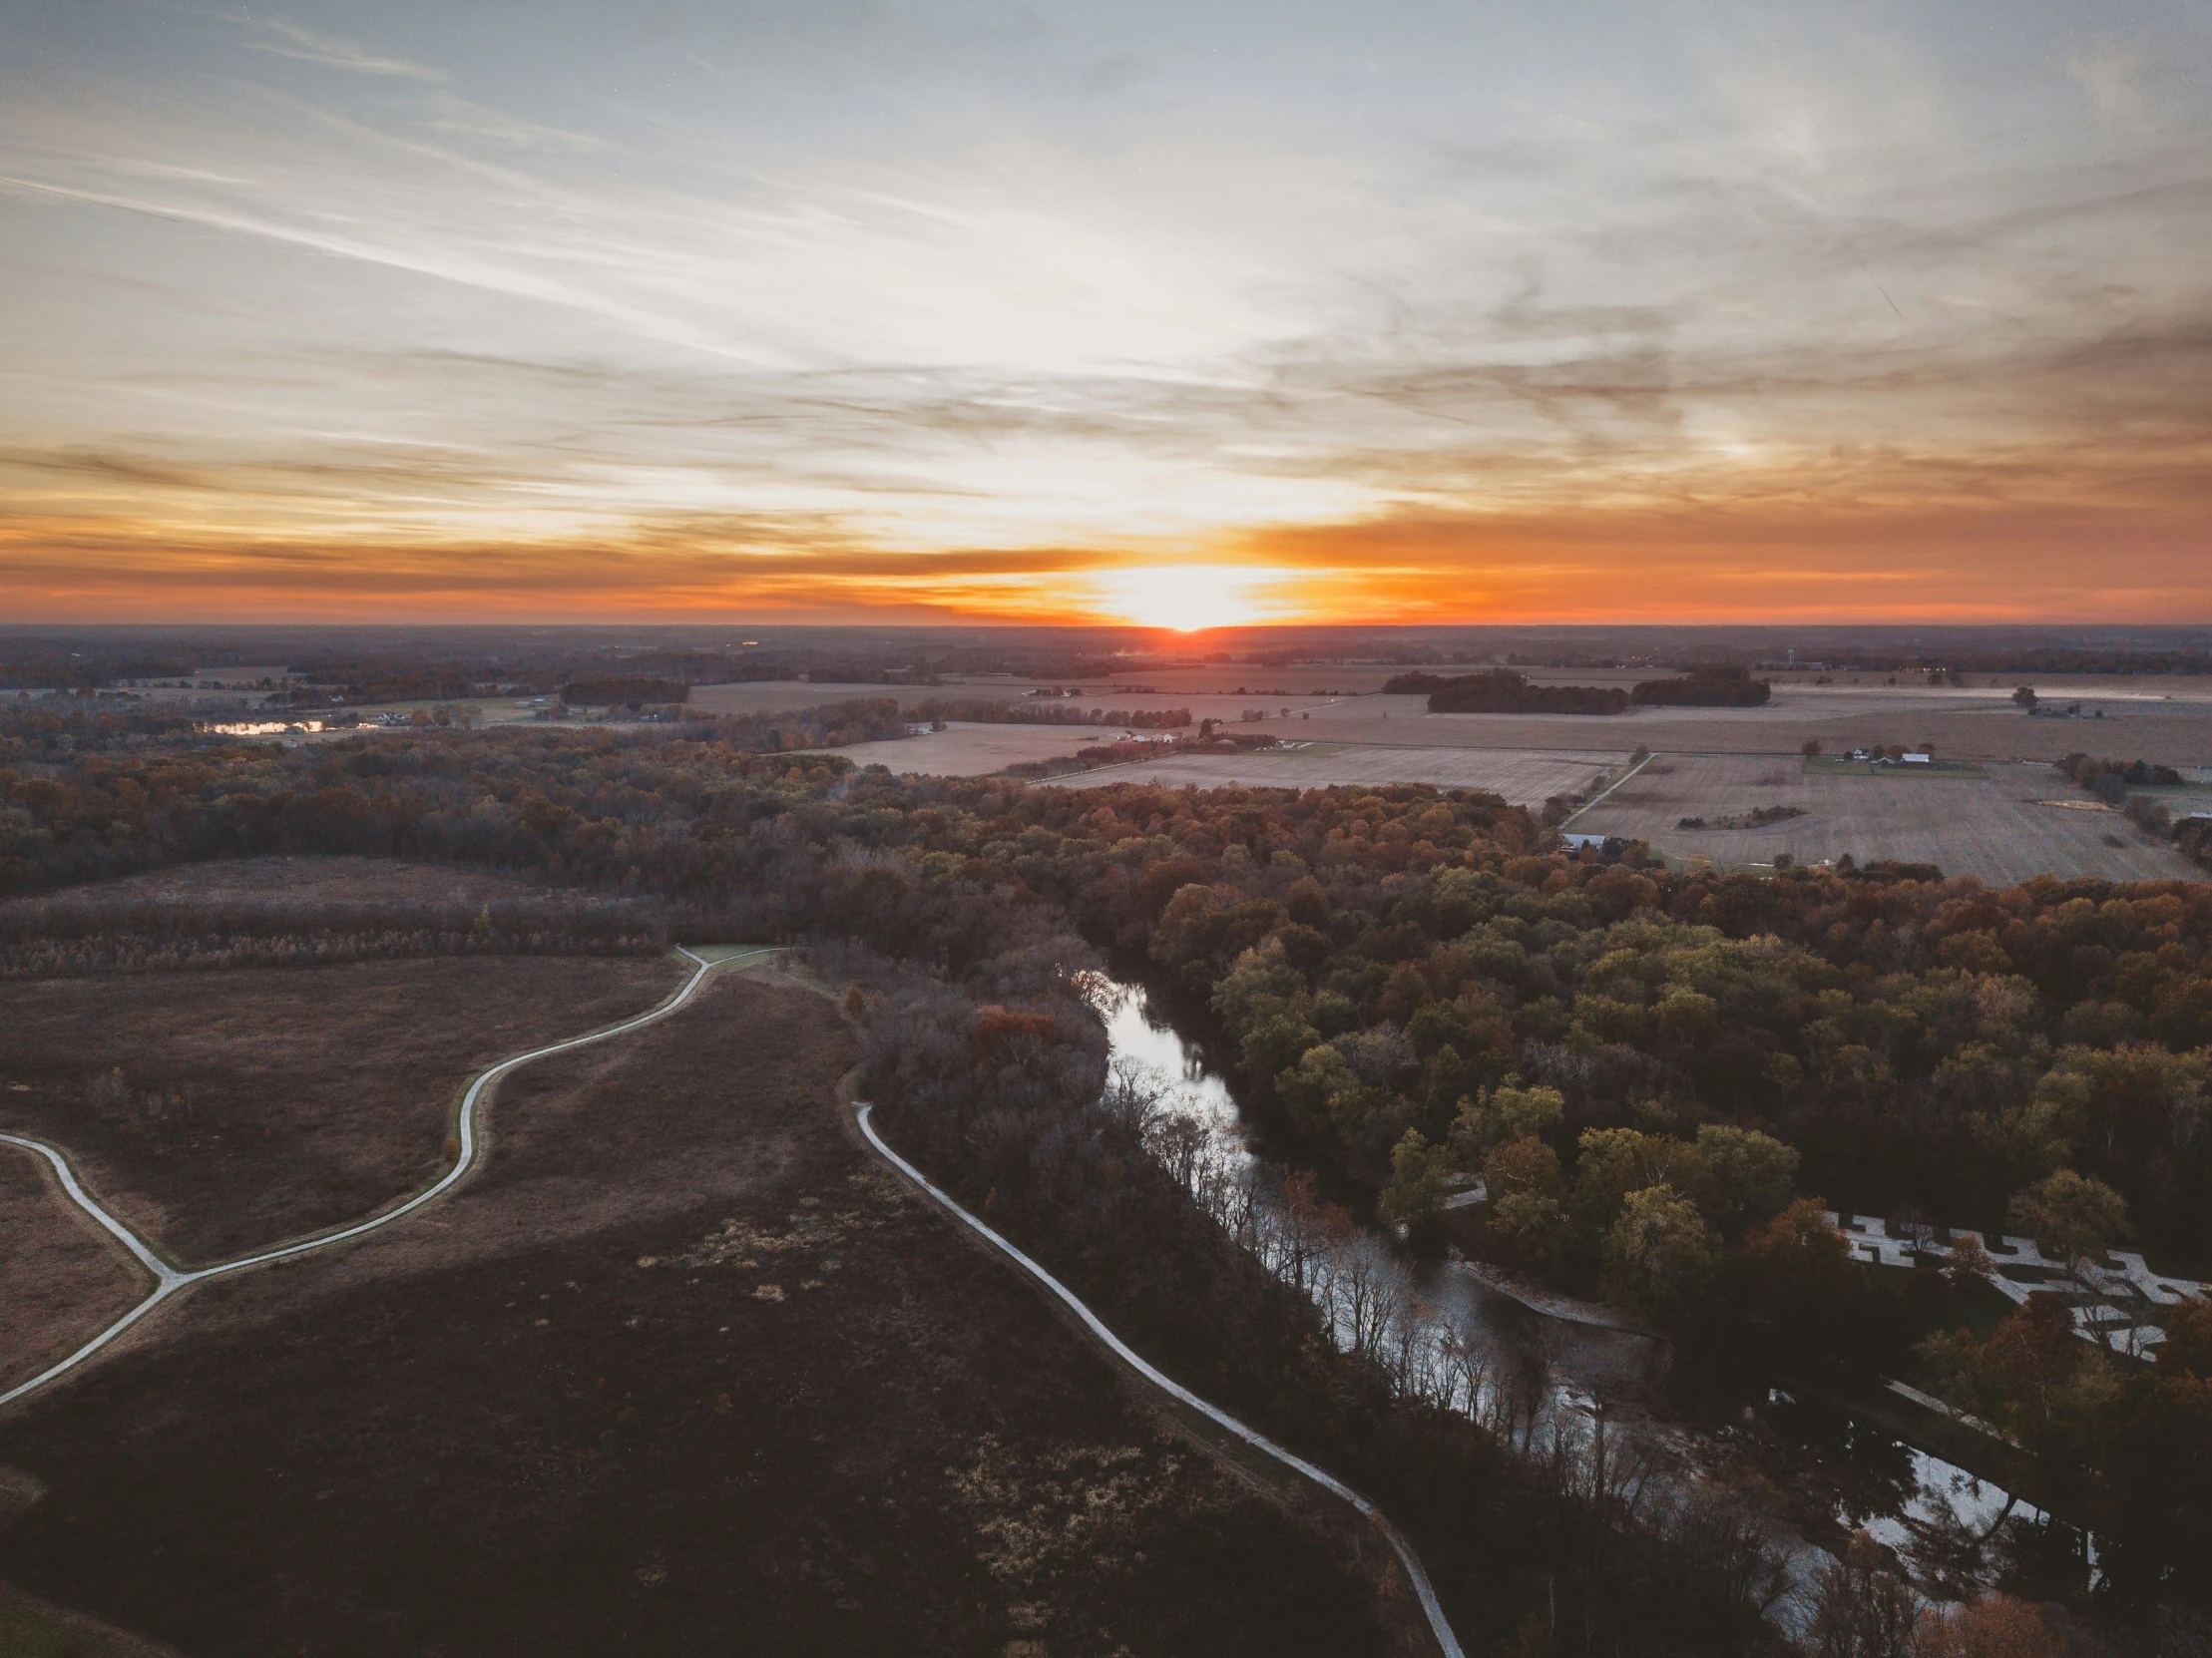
[
  {"x": 1502, "y": 691},
  {"x": 1704, "y": 687},
  {"x": 1663, "y": 1077}
]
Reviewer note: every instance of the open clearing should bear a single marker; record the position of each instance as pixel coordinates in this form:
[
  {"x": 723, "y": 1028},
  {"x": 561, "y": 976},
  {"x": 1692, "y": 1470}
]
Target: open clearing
[
  {"x": 969, "y": 750},
  {"x": 682, "y": 1371},
  {"x": 2002, "y": 829},
  {"x": 257, "y": 1103},
  {"x": 1521, "y": 776}
]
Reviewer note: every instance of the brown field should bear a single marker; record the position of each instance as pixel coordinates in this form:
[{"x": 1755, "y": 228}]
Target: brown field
[
  {"x": 2163, "y": 719},
  {"x": 775, "y": 696},
  {"x": 683, "y": 1372},
  {"x": 1976, "y": 725},
  {"x": 965, "y": 751},
  {"x": 286, "y": 1098},
  {"x": 62, "y": 1279},
  {"x": 1995, "y": 829},
  {"x": 248, "y": 882},
  {"x": 1524, "y": 777}
]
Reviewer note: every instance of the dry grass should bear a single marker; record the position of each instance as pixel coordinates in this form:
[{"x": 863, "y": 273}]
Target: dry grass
[
  {"x": 216, "y": 1110},
  {"x": 563, "y": 1414},
  {"x": 2000, "y": 829}
]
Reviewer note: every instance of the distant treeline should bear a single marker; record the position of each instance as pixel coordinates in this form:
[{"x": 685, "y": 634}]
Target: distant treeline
[
  {"x": 977, "y": 710},
  {"x": 831, "y": 725},
  {"x": 1706, "y": 687},
  {"x": 1502, "y": 691},
  {"x": 47, "y": 727},
  {"x": 2112, "y": 781},
  {"x": 623, "y": 690},
  {"x": 67, "y": 671},
  {"x": 88, "y": 931}
]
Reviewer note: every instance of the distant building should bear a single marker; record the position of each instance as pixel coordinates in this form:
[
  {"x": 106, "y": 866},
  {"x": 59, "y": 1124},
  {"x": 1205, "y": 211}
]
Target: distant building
[{"x": 1920, "y": 759}]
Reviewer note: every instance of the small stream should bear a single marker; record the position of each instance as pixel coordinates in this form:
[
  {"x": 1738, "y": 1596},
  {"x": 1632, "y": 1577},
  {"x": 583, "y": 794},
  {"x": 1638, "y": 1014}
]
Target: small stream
[{"x": 1861, "y": 1474}]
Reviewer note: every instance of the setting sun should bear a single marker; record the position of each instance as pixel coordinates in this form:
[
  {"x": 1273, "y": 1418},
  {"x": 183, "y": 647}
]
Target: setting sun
[{"x": 1185, "y": 597}]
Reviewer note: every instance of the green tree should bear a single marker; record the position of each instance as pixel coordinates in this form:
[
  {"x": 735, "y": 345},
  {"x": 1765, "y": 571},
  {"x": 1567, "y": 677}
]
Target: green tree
[
  {"x": 2072, "y": 1217},
  {"x": 1526, "y": 1218},
  {"x": 1523, "y": 1165},
  {"x": 1506, "y": 1112},
  {"x": 1660, "y": 1256},
  {"x": 1618, "y": 1162},
  {"x": 1422, "y": 1176},
  {"x": 1743, "y": 1177}
]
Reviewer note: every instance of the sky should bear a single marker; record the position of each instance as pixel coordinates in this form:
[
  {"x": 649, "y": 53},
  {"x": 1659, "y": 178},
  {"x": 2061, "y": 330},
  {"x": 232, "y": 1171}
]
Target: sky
[{"x": 1178, "y": 313}]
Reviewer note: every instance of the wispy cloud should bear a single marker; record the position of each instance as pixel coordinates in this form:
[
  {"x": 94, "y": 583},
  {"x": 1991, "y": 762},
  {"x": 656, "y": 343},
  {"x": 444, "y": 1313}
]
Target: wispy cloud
[
  {"x": 275, "y": 36},
  {"x": 878, "y": 294}
]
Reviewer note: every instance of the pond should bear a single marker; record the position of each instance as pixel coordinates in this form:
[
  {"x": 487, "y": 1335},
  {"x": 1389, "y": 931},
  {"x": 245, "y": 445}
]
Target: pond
[{"x": 1928, "y": 1509}]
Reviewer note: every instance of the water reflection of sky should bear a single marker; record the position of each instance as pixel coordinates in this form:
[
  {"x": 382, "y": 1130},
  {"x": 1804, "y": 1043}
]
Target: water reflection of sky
[
  {"x": 1153, "y": 1052},
  {"x": 1890, "y": 1488}
]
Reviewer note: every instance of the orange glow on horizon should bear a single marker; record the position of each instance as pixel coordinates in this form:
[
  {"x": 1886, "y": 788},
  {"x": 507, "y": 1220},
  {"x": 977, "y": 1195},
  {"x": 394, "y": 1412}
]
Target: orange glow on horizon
[{"x": 2020, "y": 564}]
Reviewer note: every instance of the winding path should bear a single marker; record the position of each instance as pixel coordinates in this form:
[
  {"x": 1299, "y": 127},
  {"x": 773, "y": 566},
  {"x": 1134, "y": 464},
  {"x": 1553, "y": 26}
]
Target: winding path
[
  {"x": 168, "y": 1281},
  {"x": 1438, "y": 1625}
]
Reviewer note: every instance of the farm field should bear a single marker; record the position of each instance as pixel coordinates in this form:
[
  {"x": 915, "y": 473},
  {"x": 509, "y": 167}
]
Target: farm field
[
  {"x": 1962, "y": 724},
  {"x": 974, "y": 750},
  {"x": 775, "y": 696},
  {"x": 215, "y": 1110},
  {"x": 2169, "y": 721},
  {"x": 681, "y": 1367},
  {"x": 1521, "y": 776},
  {"x": 2023, "y": 820}
]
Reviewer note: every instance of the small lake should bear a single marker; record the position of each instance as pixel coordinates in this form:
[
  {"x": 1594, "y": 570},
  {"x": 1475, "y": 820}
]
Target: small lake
[{"x": 1904, "y": 1496}]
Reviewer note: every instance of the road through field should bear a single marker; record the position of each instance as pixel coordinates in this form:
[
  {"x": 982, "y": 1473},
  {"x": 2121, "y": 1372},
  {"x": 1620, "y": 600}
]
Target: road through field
[
  {"x": 1438, "y": 1625},
  {"x": 168, "y": 1280}
]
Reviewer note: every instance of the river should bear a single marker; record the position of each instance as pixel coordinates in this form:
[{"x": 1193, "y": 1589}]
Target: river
[{"x": 1862, "y": 1475}]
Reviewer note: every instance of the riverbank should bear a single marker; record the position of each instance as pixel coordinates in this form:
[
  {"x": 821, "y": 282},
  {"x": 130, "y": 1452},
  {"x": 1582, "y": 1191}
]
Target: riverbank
[{"x": 1551, "y": 1303}]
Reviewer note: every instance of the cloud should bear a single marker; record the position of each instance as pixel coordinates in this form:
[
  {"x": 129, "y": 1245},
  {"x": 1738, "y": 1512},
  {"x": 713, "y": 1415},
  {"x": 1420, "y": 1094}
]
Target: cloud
[
  {"x": 2111, "y": 79},
  {"x": 461, "y": 118},
  {"x": 289, "y": 40},
  {"x": 1452, "y": 330}
]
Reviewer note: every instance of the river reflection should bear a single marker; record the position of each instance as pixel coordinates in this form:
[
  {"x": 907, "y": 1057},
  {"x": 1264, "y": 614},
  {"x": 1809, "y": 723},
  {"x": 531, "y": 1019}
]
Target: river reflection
[{"x": 1929, "y": 1509}]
